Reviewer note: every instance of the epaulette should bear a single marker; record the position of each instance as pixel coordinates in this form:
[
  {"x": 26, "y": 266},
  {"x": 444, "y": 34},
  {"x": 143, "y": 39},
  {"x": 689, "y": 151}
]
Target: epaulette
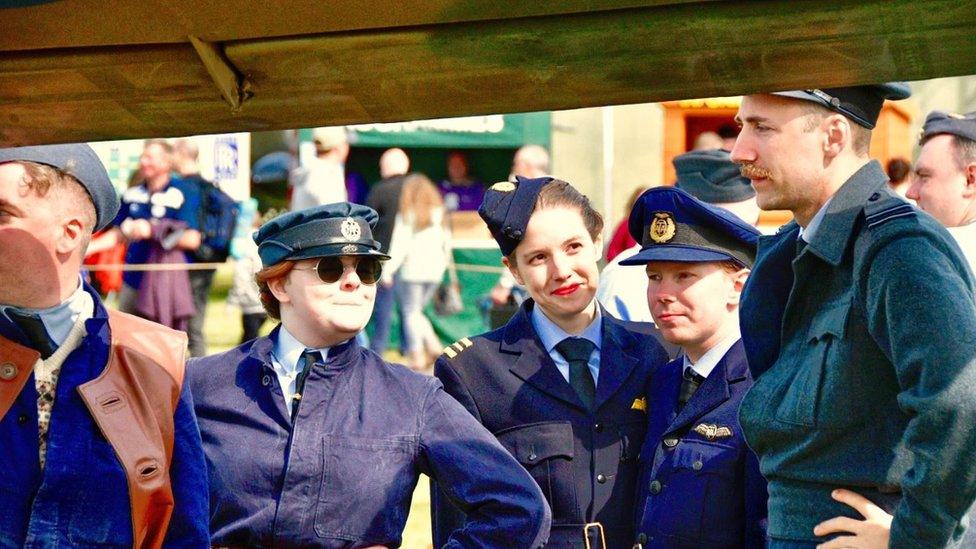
[
  {"x": 454, "y": 349},
  {"x": 881, "y": 211}
]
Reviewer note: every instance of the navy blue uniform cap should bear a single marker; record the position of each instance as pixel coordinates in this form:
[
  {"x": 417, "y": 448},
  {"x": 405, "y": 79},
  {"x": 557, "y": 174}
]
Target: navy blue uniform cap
[
  {"x": 672, "y": 225},
  {"x": 861, "y": 104},
  {"x": 342, "y": 228},
  {"x": 507, "y": 207},
  {"x": 960, "y": 125},
  {"x": 712, "y": 177},
  {"x": 81, "y": 162}
]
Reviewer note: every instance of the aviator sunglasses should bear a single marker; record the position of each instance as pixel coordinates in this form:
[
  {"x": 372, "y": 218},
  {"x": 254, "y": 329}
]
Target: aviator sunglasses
[{"x": 330, "y": 269}]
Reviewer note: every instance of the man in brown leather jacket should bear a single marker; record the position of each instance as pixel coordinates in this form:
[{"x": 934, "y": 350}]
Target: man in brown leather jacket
[{"x": 99, "y": 439}]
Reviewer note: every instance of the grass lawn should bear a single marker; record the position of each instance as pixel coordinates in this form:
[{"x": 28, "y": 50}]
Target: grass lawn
[{"x": 223, "y": 331}]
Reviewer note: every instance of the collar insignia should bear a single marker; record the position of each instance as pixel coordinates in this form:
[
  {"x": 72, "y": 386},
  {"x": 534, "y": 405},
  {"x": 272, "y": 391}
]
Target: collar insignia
[{"x": 639, "y": 404}]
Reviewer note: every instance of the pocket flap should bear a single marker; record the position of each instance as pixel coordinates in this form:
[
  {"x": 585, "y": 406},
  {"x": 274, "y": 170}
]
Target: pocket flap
[
  {"x": 830, "y": 320},
  {"x": 537, "y": 442}
]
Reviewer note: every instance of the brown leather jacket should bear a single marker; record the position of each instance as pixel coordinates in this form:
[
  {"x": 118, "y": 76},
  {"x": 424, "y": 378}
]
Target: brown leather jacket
[{"x": 133, "y": 402}]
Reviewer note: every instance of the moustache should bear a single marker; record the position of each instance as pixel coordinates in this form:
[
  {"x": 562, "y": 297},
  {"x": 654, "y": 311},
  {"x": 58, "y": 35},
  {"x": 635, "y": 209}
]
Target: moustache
[{"x": 751, "y": 171}]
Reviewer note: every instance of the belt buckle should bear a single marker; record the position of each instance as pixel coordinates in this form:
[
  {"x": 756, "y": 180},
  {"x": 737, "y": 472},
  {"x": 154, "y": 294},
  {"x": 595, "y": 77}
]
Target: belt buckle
[{"x": 586, "y": 534}]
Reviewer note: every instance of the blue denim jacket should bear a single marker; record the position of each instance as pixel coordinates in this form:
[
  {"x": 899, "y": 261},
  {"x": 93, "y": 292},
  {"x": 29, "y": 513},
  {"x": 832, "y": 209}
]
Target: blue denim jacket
[
  {"x": 343, "y": 473},
  {"x": 81, "y": 497}
]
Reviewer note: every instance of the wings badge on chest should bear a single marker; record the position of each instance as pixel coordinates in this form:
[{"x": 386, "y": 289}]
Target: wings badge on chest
[{"x": 712, "y": 431}]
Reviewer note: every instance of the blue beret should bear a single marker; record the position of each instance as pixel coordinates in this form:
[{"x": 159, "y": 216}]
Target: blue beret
[
  {"x": 712, "y": 177},
  {"x": 861, "y": 104},
  {"x": 960, "y": 125},
  {"x": 672, "y": 225},
  {"x": 80, "y": 161},
  {"x": 342, "y": 228},
  {"x": 507, "y": 208}
]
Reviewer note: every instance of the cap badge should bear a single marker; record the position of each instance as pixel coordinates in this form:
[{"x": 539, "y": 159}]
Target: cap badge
[
  {"x": 662, "y": 227},
  {"x": 503, "y": 187},
  {"x": 349, "y": 248},
  {"x": 350, "y": 229}
]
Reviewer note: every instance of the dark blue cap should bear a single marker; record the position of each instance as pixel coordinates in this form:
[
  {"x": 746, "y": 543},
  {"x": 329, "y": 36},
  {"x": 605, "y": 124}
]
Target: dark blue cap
[
  {"x": 672, "y": 225},
  {"x": 342, "y": 228},
  {"x": 861, "y": 104},
  {"x": 507, "y": 208},
  {"x": 960, "y": 125},
  {"x": 712, "y": 177},
  {"x": 81, "y": 162}
]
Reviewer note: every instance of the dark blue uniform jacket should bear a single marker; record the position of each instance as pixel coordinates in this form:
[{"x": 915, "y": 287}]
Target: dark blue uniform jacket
[
  {"x": 81, "y": 498},
  {"x": 700, "y": 484},
  {"x": 585, "y": 462},
  {"x": 343, "y": 473}
]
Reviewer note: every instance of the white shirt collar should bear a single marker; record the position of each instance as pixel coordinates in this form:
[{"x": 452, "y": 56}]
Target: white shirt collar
[
  {"x": 288, "y": 351},
  {"x": 811, "y": 228},
  {"x": 713, "y": 356}
]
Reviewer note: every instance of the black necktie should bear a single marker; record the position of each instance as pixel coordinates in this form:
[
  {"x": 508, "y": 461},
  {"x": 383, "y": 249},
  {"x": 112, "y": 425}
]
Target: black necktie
[
  {"x": 576, "y": 351},
  {"x": 690, "y": 382},
  {"x": 33, "y": 327},
  {"x": 309, "y": 358}
]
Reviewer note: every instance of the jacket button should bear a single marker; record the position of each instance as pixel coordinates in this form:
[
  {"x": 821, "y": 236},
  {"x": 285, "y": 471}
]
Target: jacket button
[
  {"x": 8, "y": 371},
  {"x": 598, "y": 427},
  {"x": 266, "y": 380},
  {"x": 601, "y": 478},
  {"x": 670, "y": 442},
  {"x": 697, "y": 465},
  {"x": 655, "y": 487},
  {"x": 532, "y": 457},
  {"x": 642, "y": 538},
  {"x": 22, "y": 419},
  {"x": 874, "y": 197}
]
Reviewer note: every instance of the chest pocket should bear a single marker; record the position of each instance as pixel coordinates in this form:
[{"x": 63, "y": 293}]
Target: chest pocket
[
  {"x": 546, "y": 451},
  {"x": 366, "y": 487},
  {"x": 699, "y": 493},
  {"x": 823, "y": 346}
]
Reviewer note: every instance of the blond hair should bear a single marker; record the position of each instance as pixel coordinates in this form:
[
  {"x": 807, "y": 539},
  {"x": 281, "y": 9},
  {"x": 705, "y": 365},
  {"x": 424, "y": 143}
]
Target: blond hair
[{"x": 418, "y": 200}]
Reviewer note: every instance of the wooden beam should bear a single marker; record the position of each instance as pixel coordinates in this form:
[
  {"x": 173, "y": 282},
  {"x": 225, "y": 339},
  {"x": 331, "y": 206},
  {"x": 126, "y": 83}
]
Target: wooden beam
[{"x": 622, "y": 56}]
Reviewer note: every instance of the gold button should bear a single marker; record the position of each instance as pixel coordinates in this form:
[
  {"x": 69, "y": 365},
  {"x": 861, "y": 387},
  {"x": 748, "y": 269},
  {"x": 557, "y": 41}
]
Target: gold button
[{"x": 8, "y": 371}]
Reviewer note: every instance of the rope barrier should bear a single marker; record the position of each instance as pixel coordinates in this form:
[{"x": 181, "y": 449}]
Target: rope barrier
[{"x": 211, "y": 266}]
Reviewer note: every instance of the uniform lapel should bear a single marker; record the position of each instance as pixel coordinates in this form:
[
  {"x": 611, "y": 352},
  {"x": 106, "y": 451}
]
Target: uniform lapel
[
  {"x": 765, "y": 297},
  {"x": 709, "y": 396},
  {"x": 618, "y": 359},
  {"x": 532, "y": 363}
]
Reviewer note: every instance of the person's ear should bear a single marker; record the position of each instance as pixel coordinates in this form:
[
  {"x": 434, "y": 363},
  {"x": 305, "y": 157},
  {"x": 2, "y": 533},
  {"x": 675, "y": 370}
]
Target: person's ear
[
  {"x": 838, "y": 134},
  {"x": 513, "y": 268},
  {"x": 277, "y": 287},
  {"x": 970, "y": 172},
  {"x": 598, "y": 247},
  {"x": 738, "y": 283},
  {"x": 73, "y": 234}
]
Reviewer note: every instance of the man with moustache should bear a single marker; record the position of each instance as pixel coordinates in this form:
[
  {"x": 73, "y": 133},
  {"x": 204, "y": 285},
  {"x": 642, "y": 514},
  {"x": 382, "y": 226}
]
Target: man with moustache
[{"x": 859, "y": 327}]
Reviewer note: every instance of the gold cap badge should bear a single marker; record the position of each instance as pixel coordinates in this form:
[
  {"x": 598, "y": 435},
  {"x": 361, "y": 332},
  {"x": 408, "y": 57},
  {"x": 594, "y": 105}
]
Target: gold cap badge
[
  {"x": 503, "y": 187},
  {"x": 662, "y": 227}
]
